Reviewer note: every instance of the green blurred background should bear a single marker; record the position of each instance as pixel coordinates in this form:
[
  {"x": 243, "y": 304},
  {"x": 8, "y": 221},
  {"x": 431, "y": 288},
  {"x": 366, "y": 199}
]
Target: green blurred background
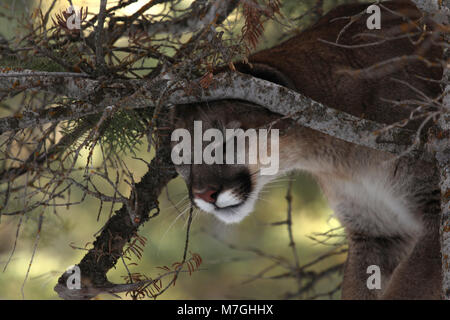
[{"x": 225, "y": 271}]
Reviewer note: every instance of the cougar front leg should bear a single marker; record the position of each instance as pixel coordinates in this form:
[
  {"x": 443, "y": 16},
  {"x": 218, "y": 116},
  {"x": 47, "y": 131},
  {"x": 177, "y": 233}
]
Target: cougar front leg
[
  {"x": 420, "y": 275},
  {"x": 365, "y": 251}
]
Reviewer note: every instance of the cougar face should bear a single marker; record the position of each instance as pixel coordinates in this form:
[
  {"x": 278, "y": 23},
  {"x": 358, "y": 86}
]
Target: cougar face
[{"x": 227, "y": 190}]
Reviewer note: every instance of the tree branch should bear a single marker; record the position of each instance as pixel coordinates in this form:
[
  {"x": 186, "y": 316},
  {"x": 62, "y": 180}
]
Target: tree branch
[
  {"x": 198, "y": 16},
  {"x": 440, "y": 11},
  {"x": 119, "y": 229},
  {"x": 278, "y": 99},
  {"x": 442, "y": 148}
]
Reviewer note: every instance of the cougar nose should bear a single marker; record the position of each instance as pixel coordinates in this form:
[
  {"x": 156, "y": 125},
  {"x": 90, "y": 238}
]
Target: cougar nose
[{"x": 209, "y": 195}]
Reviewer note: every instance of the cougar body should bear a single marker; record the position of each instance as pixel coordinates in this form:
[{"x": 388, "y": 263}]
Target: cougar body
[{"x": 389, "y": 206}]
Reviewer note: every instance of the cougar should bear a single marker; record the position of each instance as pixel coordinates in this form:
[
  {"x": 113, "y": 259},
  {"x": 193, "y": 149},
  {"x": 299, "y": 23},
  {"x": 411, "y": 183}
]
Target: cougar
[{"x": 388, "y": 205}]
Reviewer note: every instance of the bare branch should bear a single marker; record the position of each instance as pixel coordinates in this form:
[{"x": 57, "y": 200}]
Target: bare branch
[
  {"x": 200, "y": 14},
  {"x": 119, "y": 229}
]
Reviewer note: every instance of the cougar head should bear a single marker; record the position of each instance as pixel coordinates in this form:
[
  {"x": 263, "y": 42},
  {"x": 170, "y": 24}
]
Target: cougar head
[{"x": 226, "y": 190}]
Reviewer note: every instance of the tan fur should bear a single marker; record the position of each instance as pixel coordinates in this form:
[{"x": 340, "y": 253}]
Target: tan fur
[{"x": 389, "y": 207}]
